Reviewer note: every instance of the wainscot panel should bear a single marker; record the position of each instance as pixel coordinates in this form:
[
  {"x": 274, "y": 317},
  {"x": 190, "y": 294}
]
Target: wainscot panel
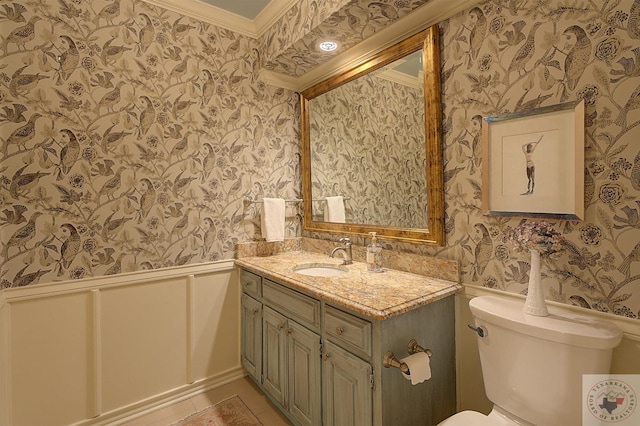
[{"x": 98, "y": 350}]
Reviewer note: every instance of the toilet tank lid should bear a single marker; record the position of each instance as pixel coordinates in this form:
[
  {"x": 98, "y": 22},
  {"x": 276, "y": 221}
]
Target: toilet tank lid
[{"x": 560, "y": 326}]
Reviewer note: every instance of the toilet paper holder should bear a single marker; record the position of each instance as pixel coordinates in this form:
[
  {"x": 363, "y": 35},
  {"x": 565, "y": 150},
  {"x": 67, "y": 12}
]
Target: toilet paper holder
[{"x": 413, "y": 347}]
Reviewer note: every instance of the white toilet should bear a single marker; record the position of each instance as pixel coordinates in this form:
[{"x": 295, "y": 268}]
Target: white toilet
[{"x": 532, "y": 366}]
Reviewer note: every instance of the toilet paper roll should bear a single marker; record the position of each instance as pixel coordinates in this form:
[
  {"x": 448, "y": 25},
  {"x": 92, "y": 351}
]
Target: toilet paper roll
[{"x": 419, "y": 367}]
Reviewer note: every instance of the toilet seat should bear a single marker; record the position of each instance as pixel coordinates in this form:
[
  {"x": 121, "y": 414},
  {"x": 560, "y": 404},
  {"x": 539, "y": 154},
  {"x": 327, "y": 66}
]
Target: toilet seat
[
  {"x": 474, "y": 418},
  {"x": 467, "y": 418}
]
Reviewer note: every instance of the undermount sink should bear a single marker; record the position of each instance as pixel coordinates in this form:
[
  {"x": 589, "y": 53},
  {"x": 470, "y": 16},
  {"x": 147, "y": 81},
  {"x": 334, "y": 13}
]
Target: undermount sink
[{"x": 320, "y": 270}]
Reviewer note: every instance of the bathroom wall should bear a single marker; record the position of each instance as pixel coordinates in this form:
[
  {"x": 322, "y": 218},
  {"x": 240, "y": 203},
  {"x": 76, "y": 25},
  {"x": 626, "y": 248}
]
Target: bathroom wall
[
  {"x": 130, "y": 138},
  {"x": 65, "y": 216},
  {"x": 345, "y": 124},
  {"x": 580, "y": 50}
]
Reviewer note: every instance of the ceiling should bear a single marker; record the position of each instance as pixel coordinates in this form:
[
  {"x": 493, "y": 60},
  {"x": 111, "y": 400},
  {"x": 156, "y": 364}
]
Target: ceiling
[
  {"x": 247, "y": 8},
  {"x": 248, "y": 17},
  {"x": 361, "y": 28}
]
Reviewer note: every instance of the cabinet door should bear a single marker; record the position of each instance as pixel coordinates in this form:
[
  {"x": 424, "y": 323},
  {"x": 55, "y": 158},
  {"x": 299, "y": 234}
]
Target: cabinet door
[
  {"x": 251, "y": 336},
  {"x": 274, "y": 346},
  {"x": 346, "y": 384},
  {"x": 303, "y": 350}
]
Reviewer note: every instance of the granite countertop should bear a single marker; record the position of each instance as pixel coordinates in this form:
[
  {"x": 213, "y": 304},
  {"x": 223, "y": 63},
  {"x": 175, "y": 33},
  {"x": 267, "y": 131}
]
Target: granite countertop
[{"x": 375, "y": 295}]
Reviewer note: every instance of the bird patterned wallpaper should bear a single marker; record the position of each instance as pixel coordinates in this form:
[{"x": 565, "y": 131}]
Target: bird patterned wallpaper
[
  {"x": 371, "y": 130},
  {"x": 506, "y": 56},
  {"x": 130, "y": 138},
  {"x": 90, "y": 89}
]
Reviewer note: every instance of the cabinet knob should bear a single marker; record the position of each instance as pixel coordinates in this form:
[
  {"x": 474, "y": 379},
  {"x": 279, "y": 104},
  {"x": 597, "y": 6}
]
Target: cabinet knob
[
  {"x": 254, "y": 312},
  {"x": 339, "y": 331},
  {"x": 325, "y": 356},
  {"x": 280, "y": 326},
  {"x": 289, "y": 331}
]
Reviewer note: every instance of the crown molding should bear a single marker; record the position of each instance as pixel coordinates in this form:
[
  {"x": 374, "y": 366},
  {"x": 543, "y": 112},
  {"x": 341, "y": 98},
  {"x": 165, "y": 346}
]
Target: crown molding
[
  {"x": 224, "y": 19},
  {"x": 209, "y": 14},
  {"x": 400, "y": 78},
  {"x": 277, "y": 79},
  {"x": 271, "y": 14},
  {"x": 431, "y": 13}
]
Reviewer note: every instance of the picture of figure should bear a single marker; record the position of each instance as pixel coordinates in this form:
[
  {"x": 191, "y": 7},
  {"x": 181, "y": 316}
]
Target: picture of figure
[{"x": 528, "y": 149}]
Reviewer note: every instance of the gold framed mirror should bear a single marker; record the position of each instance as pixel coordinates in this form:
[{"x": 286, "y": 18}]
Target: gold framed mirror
[{"x": 390, "y": 181}]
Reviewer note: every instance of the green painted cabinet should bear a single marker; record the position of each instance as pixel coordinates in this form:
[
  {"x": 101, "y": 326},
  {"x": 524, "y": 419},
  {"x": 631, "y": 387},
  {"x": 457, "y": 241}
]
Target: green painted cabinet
[
  {"x": 291, "y": 367},
  {"x": 347, "y": 383},
  {"x": 322, "y": 363},
  {"x": 303, "y": 356},
  {"x": 274, "y": 355},
  {"x": 251, "y": 336},
  {"x": 289, "y": 353}
]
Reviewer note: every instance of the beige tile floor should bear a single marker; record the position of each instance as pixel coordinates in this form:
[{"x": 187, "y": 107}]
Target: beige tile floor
[{"x": 253, "y": 398}]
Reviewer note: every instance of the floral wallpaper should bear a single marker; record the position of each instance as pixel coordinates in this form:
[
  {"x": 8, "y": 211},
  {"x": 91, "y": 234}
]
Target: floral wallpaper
[
  {"x": 292, "y": 41},
  {"x": 130, "y": 139},
  {"x": 502, "y": 57},
  {"x": 371, "y": 130}
]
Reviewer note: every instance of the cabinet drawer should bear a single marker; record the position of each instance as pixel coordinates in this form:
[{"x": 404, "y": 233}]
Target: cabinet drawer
[
  {"x": 297, "y": 306},
  {"x": 345, "y": 328},
  {"x": 251, "y": 283}
]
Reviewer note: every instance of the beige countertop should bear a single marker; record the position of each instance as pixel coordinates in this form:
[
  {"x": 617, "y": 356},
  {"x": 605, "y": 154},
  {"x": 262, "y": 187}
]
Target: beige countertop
[{"x": 375, "y": 295}]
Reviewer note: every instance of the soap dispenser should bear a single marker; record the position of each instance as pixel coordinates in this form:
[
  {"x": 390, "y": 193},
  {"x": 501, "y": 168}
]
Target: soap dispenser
[{"x": 374, "y": 254}]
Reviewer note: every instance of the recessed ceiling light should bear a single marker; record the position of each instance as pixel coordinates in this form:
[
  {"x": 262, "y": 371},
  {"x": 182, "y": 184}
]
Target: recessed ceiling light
[{"x": 328, "y": 46}]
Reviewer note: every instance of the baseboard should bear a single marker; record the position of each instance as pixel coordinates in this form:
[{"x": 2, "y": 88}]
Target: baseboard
[{"x": 158, "y": 402}]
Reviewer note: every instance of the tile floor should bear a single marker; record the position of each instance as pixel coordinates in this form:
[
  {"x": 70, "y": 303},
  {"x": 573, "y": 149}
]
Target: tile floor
[{"x": 253, "y": 398}]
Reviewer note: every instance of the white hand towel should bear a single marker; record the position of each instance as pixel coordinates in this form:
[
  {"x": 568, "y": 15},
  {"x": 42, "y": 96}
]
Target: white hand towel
[
  {"x": 334, "y": 209},
  {"x": 273, "y": 219}
]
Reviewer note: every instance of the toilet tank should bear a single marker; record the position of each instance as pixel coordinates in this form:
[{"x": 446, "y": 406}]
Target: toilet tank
[{"x": 532, "y": 366}]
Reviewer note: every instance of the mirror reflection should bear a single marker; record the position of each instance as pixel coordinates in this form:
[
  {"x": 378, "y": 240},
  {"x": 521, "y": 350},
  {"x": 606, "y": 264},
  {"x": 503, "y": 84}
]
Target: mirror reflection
[
  {"x": 367, "y": 146},
  {"x": 371, "y": 146}
]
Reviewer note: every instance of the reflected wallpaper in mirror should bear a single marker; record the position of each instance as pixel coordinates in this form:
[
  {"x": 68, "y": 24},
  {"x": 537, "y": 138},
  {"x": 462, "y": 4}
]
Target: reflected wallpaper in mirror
[{"x": 367, "y": 145}]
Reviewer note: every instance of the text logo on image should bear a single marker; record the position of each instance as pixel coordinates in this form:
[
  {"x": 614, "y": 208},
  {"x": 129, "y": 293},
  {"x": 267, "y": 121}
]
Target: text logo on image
[{"x": 611, "y": 400}]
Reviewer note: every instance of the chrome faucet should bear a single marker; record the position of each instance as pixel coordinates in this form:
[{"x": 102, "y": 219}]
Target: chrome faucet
[{"x": 346, "y": 250}]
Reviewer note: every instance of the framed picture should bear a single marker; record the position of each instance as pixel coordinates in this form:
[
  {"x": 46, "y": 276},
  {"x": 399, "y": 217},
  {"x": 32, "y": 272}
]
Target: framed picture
[{"x": 533, "y": 163}]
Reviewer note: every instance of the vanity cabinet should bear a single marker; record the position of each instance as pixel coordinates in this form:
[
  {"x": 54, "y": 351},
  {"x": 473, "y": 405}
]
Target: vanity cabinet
[
  {"x": 286, "y": 362},
  {"x": 321, "y": 362}
]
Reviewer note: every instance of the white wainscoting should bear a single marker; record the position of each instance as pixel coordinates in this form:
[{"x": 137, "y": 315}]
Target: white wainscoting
[
  {"x": 103, "y": 349},
  {"x": 470, "y": 388}
]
